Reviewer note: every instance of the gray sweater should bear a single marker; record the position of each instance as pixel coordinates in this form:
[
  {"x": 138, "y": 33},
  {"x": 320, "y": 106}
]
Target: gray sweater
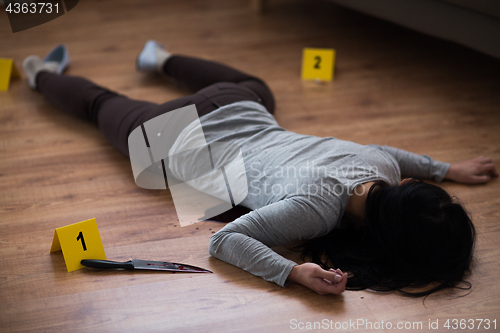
[{"x": 298, "y": 185}]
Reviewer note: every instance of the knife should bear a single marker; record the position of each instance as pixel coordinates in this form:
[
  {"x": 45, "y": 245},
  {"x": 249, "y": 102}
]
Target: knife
[{"x": 143, "y": 264}]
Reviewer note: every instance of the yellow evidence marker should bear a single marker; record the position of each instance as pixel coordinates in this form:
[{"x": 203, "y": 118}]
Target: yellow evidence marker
[
  {"x": 78, "y": 241},
  {"x": 7, "y": 72},
  {"x": 318, "y": 64}
]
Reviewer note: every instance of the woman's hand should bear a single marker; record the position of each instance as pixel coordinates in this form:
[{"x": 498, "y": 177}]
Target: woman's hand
[
  {"x": 316, "y": 278},
  {"x": 476, "y": 171}
]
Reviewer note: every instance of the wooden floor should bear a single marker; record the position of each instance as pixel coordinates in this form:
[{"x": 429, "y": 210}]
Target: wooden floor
[{"x": 392, "y": 86}]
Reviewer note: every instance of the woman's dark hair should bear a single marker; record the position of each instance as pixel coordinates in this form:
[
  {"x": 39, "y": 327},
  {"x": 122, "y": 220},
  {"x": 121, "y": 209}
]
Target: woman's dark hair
[{"x": 414, "y": 236}]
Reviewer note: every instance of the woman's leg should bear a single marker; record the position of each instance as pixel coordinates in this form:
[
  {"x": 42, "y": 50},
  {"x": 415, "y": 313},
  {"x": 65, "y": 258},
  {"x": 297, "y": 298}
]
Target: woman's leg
[
  {"x": 117, "y": 116},
  {"x": 197, "y": 74}
]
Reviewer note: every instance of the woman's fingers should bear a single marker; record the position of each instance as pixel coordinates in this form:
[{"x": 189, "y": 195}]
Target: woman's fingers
[
  {"x": 485, "y": 171},
  {"x": 490, "y": 169},
  {"x": 475, "y": 171},
  {"x": 311, "y": 275},
  {"x": 486, "y": 165},
  {"x": 487, "y": 168},
  {"x": 480, "y": 179},
  {"x": 331, "y": 274},
  {"x": 334, "y": 288},
  {"x": 335, "y": 270},
  {"x": 482, "y": 159}
]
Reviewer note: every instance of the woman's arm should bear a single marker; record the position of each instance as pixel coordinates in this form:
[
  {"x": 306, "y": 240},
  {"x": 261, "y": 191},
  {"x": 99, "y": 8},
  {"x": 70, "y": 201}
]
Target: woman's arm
[
  {"x": 416, "y": 166},
  {"x": 475, "y": 171},
  {"x": 246, "y": 242}
]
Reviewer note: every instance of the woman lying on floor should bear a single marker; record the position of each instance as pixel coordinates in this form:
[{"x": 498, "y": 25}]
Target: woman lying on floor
[{"x": 394, "y": 234}]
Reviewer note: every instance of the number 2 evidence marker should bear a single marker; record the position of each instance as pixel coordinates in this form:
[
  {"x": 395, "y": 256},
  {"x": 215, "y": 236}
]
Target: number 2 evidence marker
[{"x": 318, "y": 64}]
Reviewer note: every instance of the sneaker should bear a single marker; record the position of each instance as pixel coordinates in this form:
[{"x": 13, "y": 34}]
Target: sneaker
[
  {"x": 152, "y": 57},
  {"x": 56, "y": 61},
  {"x": 33, "y": 65},
  {"x": 60, "y": 55}
]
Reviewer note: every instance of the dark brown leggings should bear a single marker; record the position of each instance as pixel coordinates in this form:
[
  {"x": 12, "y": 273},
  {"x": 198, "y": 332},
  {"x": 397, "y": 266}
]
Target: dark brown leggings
[{"x": 117, "y": 116}]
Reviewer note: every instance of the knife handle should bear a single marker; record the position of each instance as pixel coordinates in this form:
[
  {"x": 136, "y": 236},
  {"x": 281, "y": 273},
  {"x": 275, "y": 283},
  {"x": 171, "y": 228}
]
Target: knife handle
[{"x": 106, "y": 264}]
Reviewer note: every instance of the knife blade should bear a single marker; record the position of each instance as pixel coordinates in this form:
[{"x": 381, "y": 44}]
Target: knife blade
[{"x": 143, "y": 264}]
